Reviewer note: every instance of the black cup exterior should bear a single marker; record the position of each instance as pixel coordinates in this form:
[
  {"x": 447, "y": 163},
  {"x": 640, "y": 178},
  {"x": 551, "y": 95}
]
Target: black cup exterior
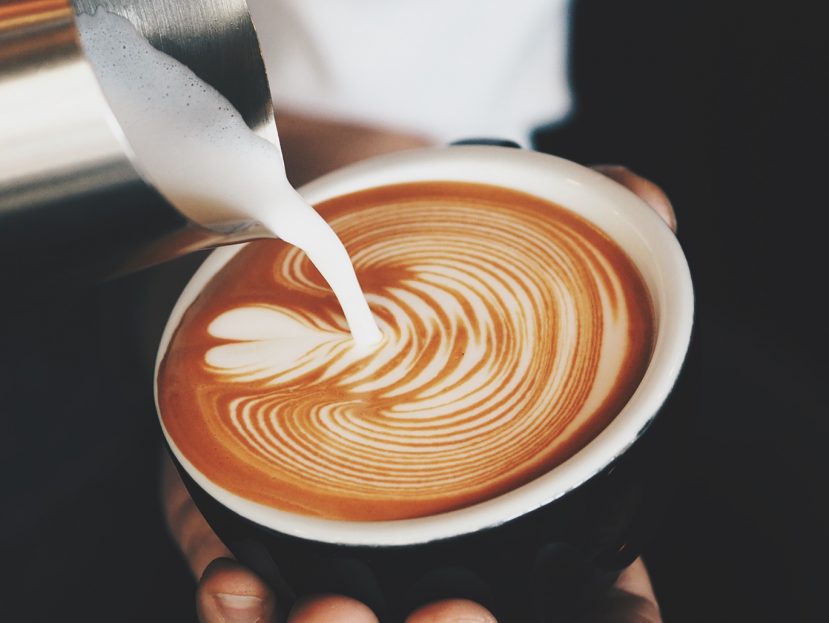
[{"x": 546, "y": 565}]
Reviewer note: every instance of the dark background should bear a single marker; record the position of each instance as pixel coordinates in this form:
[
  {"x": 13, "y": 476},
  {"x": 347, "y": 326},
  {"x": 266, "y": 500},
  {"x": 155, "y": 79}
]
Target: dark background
[{"x": 721, "y": 104}]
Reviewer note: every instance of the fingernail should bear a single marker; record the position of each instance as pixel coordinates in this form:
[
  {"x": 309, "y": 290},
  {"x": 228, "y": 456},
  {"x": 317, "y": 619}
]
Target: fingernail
[{"x": 239, "y": 608}]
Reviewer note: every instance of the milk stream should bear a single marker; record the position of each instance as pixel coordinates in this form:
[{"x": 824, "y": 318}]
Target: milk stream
[{"x": 194, "y": 146}]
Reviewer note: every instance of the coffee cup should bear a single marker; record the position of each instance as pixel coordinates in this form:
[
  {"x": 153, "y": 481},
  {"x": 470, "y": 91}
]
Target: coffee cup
[{"x": 550, "y": 542}]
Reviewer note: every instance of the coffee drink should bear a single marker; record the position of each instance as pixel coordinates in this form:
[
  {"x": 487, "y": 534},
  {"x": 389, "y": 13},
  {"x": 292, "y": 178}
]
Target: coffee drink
[
  {"x": 514, "y": 331},
  {"x": 200, "y": 153}
]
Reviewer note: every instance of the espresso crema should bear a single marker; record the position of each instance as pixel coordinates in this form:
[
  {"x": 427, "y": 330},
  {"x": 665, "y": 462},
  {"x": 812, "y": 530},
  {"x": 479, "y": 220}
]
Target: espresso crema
[{"x": 513, "y": 332}]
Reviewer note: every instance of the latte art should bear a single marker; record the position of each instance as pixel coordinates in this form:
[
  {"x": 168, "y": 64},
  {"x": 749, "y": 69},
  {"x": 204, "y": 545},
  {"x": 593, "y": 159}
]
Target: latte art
[{"x": 514, "y": 331}]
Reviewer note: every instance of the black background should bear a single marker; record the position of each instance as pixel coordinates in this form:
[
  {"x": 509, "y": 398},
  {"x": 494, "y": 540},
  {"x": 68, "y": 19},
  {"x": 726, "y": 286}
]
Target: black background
[{"x": 722, "y": 104}]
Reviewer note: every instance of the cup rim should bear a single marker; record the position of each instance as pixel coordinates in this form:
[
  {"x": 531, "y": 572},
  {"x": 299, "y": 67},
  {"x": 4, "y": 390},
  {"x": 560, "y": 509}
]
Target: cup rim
[{"x": 667, "y": 276}]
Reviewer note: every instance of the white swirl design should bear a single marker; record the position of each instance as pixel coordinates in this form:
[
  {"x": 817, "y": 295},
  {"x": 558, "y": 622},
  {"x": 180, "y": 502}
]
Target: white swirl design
[{"x": 513, "y": 332}]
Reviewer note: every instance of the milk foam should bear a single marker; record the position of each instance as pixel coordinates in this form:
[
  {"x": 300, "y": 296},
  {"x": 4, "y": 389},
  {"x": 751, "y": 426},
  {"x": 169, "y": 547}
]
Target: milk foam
[
  {"x": 513, "y": 332},
  {"x": 195, "y": 147}
]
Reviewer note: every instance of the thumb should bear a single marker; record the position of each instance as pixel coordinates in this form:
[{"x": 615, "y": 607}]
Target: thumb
[
  {"x": 229, "y": 592},
  {"x": 649, "y": 192}
]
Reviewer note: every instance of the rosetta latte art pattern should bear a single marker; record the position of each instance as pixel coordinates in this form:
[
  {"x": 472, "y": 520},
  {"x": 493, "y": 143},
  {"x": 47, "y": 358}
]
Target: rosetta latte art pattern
[{"x": 513, "y": 330}]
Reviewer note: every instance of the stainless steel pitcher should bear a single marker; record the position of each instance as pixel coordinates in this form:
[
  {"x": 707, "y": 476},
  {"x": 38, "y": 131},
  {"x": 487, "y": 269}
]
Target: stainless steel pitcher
[{"x": 73, "y": 205}]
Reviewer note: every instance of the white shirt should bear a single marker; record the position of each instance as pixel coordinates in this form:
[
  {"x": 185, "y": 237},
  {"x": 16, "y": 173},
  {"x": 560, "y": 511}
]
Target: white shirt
[{"x": 449, "y": 69}]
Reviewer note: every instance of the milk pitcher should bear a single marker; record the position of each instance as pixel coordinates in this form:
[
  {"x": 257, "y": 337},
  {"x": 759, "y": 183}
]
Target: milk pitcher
[{"x": 74, "y": 205}]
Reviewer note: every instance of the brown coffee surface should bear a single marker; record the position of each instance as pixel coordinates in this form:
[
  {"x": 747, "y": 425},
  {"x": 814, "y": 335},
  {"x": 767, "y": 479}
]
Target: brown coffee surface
[{"x": 514, "y": 332}]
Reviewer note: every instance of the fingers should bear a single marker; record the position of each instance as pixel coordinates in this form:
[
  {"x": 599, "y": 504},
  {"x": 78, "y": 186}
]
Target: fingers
[
  {"x": 451, "y": 610},
  {"x": 331, "y": 609},
  {"x": 230, "y": 593},
  {"x": 187, "y": 526},
  {"x": 339, "y": 609},
  {"x": 631, "y": 600},
  {"x": 649, "y": 192},
  {"x": 636, "y": 581}
]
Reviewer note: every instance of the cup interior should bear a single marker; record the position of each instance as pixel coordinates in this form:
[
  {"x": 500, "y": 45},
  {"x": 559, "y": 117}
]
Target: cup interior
[{"x": 636, "y": 228}]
